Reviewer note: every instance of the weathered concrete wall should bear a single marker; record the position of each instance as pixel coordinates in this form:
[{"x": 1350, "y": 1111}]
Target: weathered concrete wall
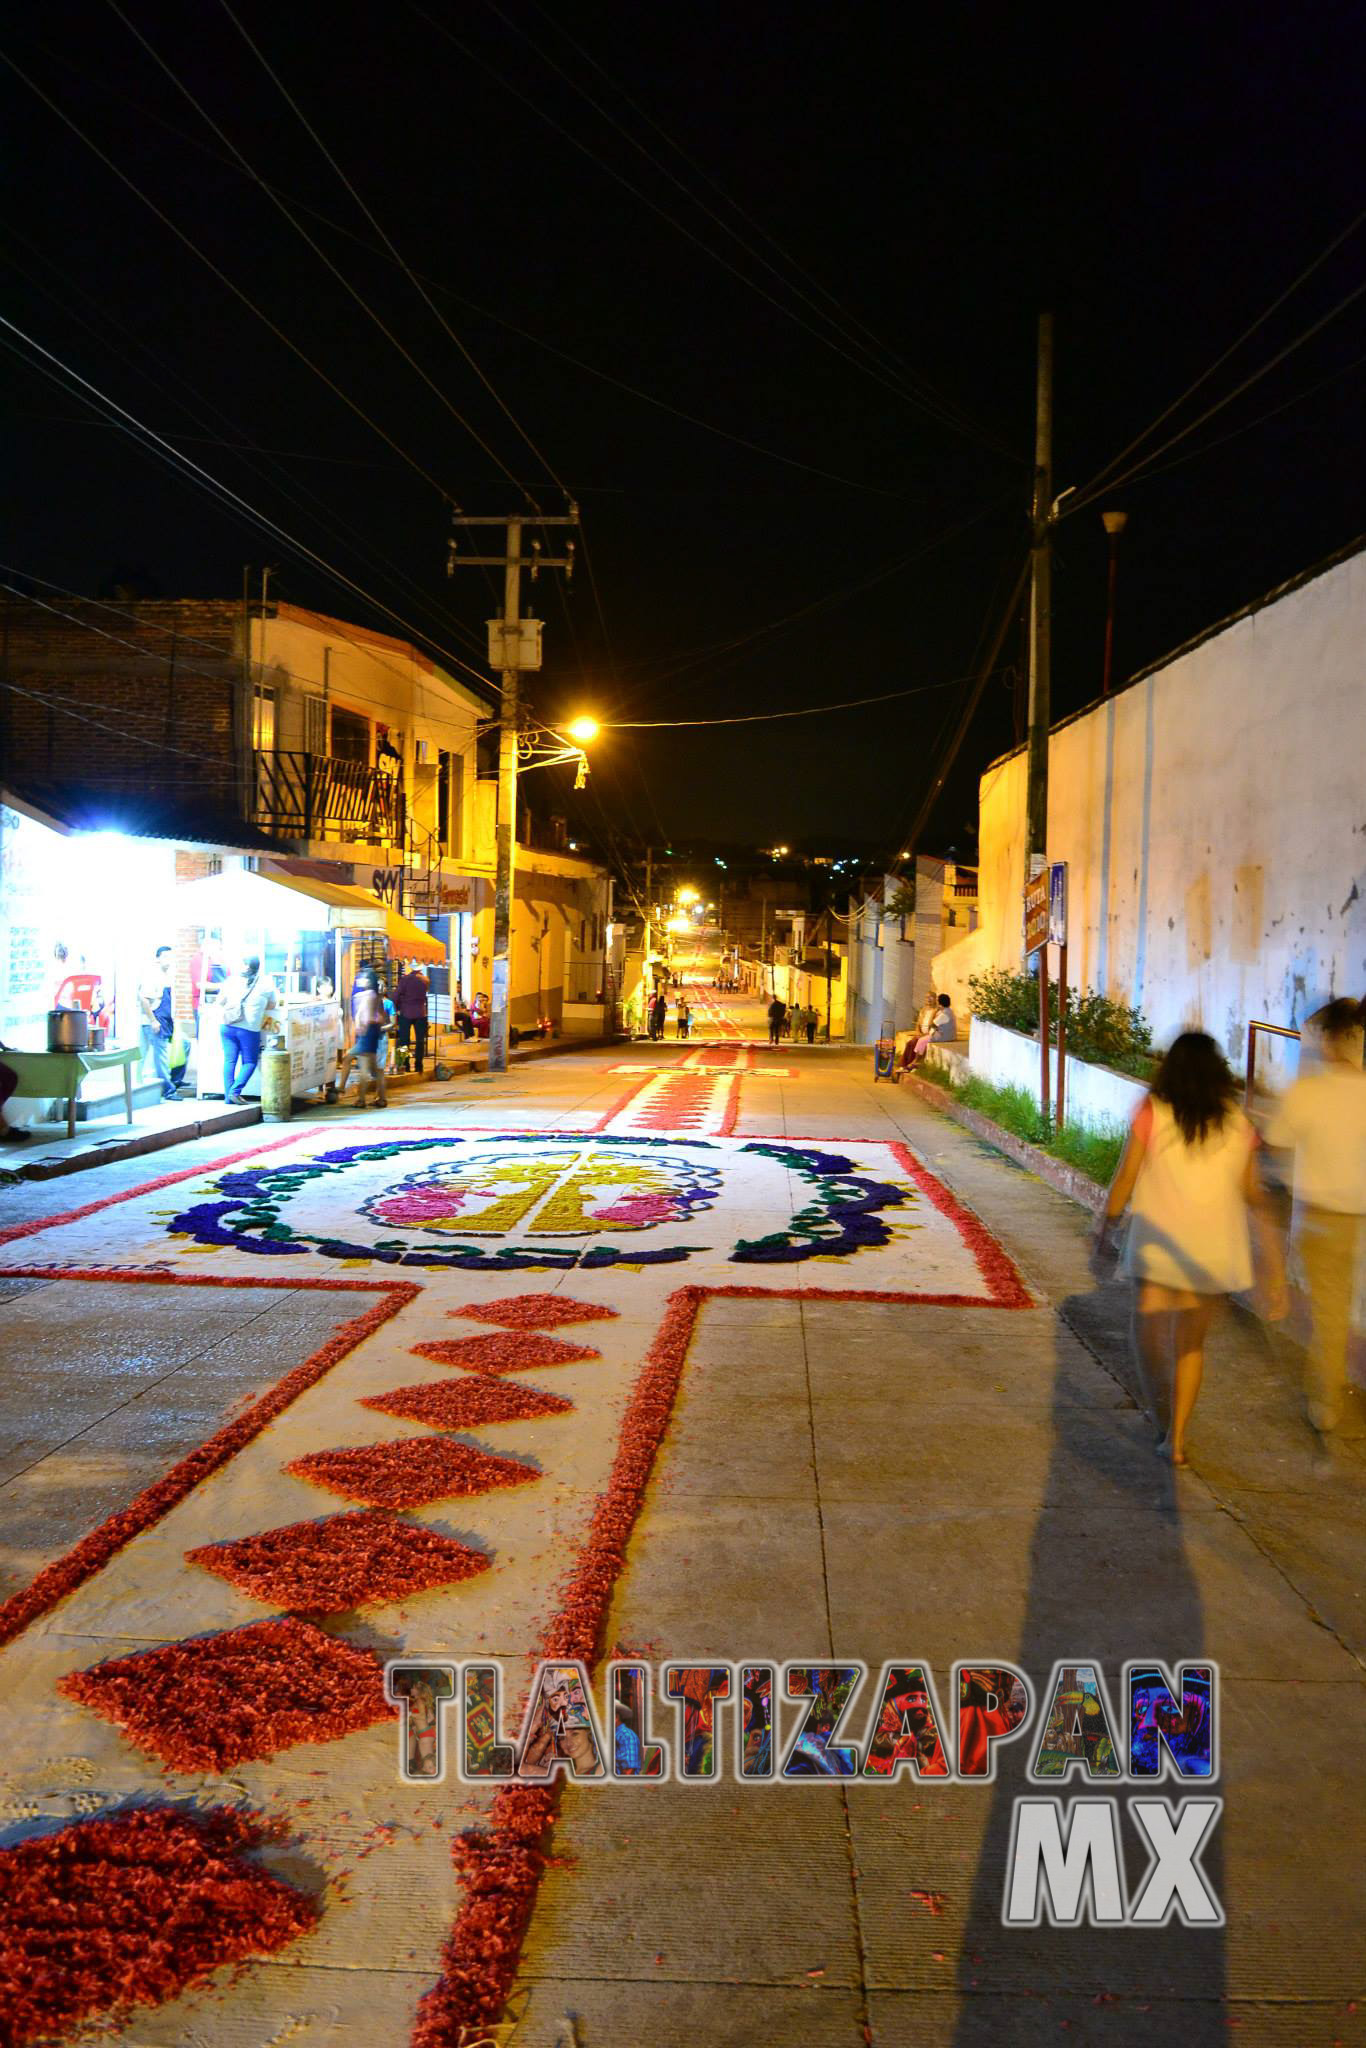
[{"x": 1213, "y": 818}]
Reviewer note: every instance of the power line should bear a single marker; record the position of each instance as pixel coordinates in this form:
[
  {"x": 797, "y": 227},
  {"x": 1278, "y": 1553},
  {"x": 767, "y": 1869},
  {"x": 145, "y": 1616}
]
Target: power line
[
  {"x": 302, "y": 231},
  {"x": 498, "y": 319},
  {"x": 236, "y": 290},
  {"x": 753, "y": 285},
  {"x": 158, "y": 445},
  {"x": 1149, "y": 470},
  {"x": 1308, "y": 334},
  {"x": 928, "y": 399},
  {"x": 1088, "y": 489},
  {"x": 765, "y": 717}
]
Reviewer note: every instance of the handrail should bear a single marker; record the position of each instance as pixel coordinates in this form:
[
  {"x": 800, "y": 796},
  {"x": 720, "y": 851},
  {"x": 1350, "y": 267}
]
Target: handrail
[{"x": 1254, "y": 1026}]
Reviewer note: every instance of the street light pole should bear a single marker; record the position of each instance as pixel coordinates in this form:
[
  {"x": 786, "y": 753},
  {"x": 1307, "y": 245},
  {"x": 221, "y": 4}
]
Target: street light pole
[{"x": 1114, "y": 524}]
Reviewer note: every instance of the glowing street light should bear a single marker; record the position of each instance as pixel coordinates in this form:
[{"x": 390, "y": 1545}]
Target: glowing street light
[
  {"x": 687, "y": 895},
  {"x": 584, "y": 730}
]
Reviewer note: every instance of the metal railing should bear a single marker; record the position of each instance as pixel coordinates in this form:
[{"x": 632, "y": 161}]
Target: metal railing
[
  {"x": 1275, "y": 1031},
  {"x": 318, "y": 796}
]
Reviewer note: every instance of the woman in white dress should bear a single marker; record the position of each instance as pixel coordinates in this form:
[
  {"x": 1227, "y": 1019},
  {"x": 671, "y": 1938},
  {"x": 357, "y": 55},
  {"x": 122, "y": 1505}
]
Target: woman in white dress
[{"x": 1189, "y": 1179}]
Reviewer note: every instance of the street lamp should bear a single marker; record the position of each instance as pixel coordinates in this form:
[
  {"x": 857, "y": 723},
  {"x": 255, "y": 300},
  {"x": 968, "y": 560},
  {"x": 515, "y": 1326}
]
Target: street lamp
[
  {"x": 585, "y": 730},
  {"x": 1114, "y": 524}
]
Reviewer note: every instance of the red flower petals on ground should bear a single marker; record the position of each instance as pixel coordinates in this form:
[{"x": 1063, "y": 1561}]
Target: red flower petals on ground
[
  {"x": 216, "y": 1701},
  {"x": 410, "y": 1472},
  {"x": 535, "y": 1311},
  {"x": 509, "y": 1351},
  {"x": 324, "y": 1567},
  {"x": 467, "y": 1404},
  {"x": 499, "y": 1870},
  {"x": 111, "y": 1914}
]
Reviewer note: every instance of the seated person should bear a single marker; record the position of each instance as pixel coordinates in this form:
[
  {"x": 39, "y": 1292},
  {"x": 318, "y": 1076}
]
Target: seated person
[{"x": 931, "y": 1030}]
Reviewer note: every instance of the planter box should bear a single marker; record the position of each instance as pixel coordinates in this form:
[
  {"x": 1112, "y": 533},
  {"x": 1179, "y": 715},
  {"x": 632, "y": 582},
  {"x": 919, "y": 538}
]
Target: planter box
[{"x": 1096, "y": 1096}]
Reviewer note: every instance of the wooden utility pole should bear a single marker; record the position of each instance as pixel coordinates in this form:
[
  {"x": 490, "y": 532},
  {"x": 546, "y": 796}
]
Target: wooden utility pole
[{"x": 514, "y": 645}]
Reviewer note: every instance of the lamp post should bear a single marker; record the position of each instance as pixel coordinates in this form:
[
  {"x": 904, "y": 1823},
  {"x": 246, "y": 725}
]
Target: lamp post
[{"x": 1114, "y": 524}]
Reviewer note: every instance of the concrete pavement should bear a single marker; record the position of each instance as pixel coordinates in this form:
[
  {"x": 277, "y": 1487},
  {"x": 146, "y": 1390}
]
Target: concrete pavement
[{"x": 918, "y": 1478}]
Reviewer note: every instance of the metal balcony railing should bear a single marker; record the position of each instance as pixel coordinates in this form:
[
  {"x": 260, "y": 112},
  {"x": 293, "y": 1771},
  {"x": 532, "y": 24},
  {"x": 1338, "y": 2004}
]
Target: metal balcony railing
[{"x": 317, "y": 796}]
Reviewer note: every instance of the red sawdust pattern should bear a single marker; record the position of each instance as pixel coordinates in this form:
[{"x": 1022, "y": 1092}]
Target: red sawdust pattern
[
  {"x": 535, "y": 1311},
  {"x": 508, "y": 1351},
  {"x": 94, "y": 1551},
  {"x": 467, "y": 1404},
  {"x": 410, "y": 1472},
  {"x": 216, "y": 1701},
  {"x": 107, "y": 1915},
  {"x": 343, "y": 1561},
  {"x": 501, "y": 1867}
]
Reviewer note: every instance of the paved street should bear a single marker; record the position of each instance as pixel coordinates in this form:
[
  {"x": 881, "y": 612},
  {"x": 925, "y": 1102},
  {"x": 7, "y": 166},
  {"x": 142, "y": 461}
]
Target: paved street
[{"x": 917, "y": 1441}]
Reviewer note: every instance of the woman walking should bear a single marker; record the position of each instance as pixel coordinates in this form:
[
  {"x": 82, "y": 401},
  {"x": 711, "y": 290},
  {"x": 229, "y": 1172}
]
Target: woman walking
[
  {"x": 1189, "y": 1179},
  {"x": 246, "y": 999}
]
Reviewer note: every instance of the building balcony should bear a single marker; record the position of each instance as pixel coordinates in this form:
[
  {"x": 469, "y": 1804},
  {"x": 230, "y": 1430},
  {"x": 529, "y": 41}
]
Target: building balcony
[{"x": 307, "y": 798}]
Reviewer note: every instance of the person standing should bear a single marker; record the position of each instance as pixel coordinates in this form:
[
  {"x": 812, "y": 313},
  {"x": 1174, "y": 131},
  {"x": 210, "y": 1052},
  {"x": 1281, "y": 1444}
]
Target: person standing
[
  {"x": 1321, "y": 1120},
  {"x": 246, "y": 998},
  {"x": 811, "y": 1020},
  {"x": 777, "y": 1019},
  {"x": 684, "y": 1017},
  {"x": 659, "y": 1013},
  {"x": 158, "y": 1022},
  {"x": 410, "y": 1000},
  {"x": 1189, "y": 1179},
  {"x": 370, "y": 1024}
]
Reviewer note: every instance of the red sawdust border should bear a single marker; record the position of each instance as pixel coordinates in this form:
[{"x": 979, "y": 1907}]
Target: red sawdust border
[
  {"x": 147, "y": 1187},
  {"x": 94, "y": 1551}
]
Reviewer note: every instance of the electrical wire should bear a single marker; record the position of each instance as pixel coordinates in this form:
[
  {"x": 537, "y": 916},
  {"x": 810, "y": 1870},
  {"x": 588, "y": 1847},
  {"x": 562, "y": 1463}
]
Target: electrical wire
[
  {"x": 157, "y": 444},
  {"x": 1246, "y": 427},
  {"x": 1126, "y": 476},
  {"x": 787, "y": 312},
  {"x": 486, "y": 312},
  {"x": 1088, "y": 489},
  {"x": 302, "y": 231},
  {"x": 766, "y": 717},
  {"x": 925, "y": 396}
]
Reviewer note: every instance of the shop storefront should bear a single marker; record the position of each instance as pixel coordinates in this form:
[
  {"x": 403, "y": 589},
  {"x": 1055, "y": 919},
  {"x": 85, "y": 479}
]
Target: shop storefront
[{"x": 311, "y": 938}]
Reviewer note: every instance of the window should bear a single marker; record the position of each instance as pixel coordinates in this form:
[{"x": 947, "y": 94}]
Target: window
[
  {"x": 263, "y": 720},
  {"x": 350, "y": 736}
]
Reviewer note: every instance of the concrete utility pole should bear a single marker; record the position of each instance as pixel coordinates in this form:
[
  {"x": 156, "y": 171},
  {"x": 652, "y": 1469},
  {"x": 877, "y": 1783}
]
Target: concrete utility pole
[
  {"x": 514, "y": 645},
  {"x": 1041, "y": 605}
]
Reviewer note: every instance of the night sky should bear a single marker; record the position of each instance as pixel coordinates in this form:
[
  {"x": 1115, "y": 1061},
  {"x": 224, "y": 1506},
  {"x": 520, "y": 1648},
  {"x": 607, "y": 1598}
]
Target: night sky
[{"x": 908, "y": 189}]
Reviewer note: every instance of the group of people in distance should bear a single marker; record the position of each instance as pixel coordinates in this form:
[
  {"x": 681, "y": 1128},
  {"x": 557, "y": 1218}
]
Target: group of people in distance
[
  {"x": 658, "y": 1019},
  {"x": 792, "y": 1020}
]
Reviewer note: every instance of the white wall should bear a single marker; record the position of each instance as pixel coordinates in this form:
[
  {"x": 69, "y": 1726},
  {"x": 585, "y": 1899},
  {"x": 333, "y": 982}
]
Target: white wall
[
  {"x": 1213, "y": 818},
  {"x": 1096, "y": 1096}
]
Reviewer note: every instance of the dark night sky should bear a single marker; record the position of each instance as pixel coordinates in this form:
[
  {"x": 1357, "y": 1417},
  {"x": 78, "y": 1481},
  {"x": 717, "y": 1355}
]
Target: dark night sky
[{"x": 1157, "y": 177}]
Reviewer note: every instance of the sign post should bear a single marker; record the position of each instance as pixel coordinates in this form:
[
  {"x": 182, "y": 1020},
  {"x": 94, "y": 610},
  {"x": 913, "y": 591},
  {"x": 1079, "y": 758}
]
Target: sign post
[{"x": 1036, "y": 904}]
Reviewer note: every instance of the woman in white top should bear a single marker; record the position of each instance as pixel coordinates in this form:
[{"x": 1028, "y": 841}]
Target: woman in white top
[
  {"x": 1189, "y": 1179},
  {"x": 246, "y": 999}
]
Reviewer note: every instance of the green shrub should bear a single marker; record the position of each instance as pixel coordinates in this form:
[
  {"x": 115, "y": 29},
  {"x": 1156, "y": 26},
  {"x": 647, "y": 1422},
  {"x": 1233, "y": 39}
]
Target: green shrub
[
  {"x": 1107, "y": 1033},
  {"x": 1094, "y": 1152}
]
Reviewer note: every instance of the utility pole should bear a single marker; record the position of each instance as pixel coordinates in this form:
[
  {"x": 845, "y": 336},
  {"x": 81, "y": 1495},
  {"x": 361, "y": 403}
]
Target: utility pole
[
  {"x": 514, "y": 645},
  {"x": 1041, "y": 604}
]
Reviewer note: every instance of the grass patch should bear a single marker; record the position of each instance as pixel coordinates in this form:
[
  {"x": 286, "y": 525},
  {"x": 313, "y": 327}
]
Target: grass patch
[{"x": 1094, "y": 1152}]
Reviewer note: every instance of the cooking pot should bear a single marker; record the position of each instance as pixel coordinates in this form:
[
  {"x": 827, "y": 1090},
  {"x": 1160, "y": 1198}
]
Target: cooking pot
[{"x": 68, "y": 1030}]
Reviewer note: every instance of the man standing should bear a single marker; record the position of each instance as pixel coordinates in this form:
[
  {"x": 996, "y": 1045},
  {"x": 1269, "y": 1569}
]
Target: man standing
[
  {"x": 369, "y": 1028},
  {"x": 410, "y": 1000},
  {"x": 777, "y": 1019},
  {"x": 154, "y": 1002},
  {"x": 1322, "y": 1117}
]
